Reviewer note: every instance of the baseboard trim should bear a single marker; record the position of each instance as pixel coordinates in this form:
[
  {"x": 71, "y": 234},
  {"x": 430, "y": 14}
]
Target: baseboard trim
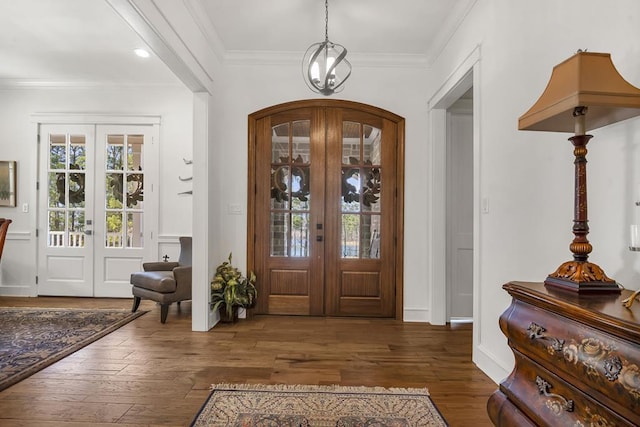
[
  {"x": 416, "y": 315},
  {"x": 17, "y": 291},
  {"x": 488, "y": 363}
]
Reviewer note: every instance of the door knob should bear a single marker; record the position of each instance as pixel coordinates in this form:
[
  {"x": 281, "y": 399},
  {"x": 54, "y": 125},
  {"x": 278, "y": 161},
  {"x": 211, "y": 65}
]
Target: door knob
[
  {"x": 318, "y": 238},
  {"x": 88, "y": 232}
]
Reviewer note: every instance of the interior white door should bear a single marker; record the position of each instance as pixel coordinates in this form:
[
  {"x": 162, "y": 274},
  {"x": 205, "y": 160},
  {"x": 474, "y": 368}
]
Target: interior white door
[
  {"x": 459, "y": 215},
  {"x": 121, "y": 230},
  {"x": 65, "y": 245},
  {"x": 93, "y": 219}
]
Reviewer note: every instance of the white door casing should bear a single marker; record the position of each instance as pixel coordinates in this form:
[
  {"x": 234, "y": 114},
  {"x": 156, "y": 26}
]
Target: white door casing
[{"x": 113, "y": 238}]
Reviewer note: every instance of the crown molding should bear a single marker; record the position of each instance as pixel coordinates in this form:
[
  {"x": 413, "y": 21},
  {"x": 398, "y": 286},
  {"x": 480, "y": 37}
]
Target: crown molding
[{"x": 76, "y": 84}]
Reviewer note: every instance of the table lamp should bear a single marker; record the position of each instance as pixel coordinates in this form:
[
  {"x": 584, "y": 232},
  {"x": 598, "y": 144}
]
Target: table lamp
[{"x": 584, "y": 92}]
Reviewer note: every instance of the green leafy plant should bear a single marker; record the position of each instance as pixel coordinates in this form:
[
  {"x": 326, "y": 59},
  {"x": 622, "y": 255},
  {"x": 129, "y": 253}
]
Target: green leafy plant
[{"x": 231, "y": 289}]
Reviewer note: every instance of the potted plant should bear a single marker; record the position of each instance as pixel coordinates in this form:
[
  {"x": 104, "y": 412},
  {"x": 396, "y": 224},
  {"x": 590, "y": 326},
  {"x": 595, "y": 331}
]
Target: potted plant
[{"x": 230, "y": 289}]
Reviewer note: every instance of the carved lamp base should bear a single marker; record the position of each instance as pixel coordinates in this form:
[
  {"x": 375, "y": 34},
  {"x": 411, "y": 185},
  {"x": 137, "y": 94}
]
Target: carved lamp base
[{"x": 582, "y": 277}]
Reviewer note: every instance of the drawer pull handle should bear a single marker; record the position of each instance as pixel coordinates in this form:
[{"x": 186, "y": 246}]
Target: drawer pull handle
[
  {"x": 543, "y": 388},
  {"x": 536, "y": 332}
]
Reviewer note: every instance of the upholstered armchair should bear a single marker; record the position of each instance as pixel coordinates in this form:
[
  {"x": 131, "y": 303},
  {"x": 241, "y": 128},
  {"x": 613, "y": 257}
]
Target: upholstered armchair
[{"x": 164, "y": 282}]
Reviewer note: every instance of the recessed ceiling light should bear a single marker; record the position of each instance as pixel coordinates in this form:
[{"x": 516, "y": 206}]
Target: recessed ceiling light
[{"x": 141, "y": 53}]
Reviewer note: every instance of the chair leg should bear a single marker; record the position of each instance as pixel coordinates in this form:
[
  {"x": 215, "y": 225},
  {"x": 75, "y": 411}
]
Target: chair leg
[
  {"x": 136, "y": 304},
  {"x": 164, "y": 309}
]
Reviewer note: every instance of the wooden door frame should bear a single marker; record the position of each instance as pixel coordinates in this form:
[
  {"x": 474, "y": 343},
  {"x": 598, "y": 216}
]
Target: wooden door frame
[{"x": 332, "y": 103}]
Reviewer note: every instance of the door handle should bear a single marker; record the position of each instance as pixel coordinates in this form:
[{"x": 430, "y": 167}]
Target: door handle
[
  {"x": 88, "y": 232},
  {"x": 318, "y": 238}
]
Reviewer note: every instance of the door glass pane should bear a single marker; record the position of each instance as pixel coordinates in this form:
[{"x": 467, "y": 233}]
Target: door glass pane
[
  {"x": 371, "y": 185},
  {"x": 57, "y": 152},
  {"x": 371, "y": 145},
  {"x": 135, "y": 156},
  {"x": 351, "y": 189},
  {"x": 300, "y": 142},
  {"x": 56, "y": 229},
  {"x": 76, "y": 229},
  {"x": 280, "y": 143},
  {"x": 134, "y": 190},
  {"x": 279, "y": 232},
  {"x": 350, "y": 143},
  {"x": 114, "y": 191},
  {"x": 77, "y": 152},
  {"x": 115, "y": 152},
  {"x": 370, "y": 237},
  {"x": 135, "y": 235},
  {"x": 361, "y": 189},
  {"x": 279, "y": 187},
  {"x": 290, "y": 186},
  {"x": 66, "y": 196},
  {"x": 57, "y": 185},
  {"x": 300, "y": 185},
  {"x": 76, "y": 189},
  {"x": 350, "y": 238},
  {"x": 113, "y": 238},
  {"x": 300, "y": 235},
  {"x": 124, "y": 195}
]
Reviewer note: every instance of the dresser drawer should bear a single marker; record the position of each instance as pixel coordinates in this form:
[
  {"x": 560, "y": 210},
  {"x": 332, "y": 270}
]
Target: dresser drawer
[
  {"x": 549, "y": 400},
  {"x": 606, "y": 367}
]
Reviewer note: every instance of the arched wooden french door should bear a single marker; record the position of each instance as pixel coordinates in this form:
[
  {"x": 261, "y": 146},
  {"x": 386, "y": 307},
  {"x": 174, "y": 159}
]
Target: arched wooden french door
[{"x": 325, "y": 209}]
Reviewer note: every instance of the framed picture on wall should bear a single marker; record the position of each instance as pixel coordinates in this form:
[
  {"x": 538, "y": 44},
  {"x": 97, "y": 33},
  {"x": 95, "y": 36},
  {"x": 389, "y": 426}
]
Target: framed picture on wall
[{"x": 8, "y": 183}]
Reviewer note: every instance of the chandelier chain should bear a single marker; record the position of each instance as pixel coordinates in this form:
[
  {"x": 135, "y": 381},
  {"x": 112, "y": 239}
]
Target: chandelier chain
[{"x": 326, "y": 20}]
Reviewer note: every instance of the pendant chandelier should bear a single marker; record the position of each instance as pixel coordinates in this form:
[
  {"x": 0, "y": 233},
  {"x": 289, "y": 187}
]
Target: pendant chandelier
[{"x": 325, "y": 66}]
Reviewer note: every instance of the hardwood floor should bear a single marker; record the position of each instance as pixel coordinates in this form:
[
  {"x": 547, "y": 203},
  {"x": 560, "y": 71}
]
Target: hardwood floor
[{"x": 150, "y": 374}]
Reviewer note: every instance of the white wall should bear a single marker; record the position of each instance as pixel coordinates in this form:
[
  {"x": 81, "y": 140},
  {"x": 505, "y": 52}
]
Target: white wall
[
  {"x": 528, "y": 176},
  {"x": 17, "y": 142},
  {"x": 250, "y": 88}
]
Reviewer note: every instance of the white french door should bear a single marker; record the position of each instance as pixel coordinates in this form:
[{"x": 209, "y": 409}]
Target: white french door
[{"x": 95, "y": 195}]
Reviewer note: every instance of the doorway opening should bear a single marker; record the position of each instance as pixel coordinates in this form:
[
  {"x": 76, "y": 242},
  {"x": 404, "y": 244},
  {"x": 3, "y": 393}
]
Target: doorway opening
[
  {"x": 326, "y": 197},
  {"x": 459, "y": 209},
  {"x": 453, "y": 235},
  {"x": 97, "y": 206}
]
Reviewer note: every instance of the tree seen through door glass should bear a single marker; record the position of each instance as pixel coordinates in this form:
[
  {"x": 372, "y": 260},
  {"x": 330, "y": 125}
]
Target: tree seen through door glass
[
  {"x": 66, "y": 186},
  {"x": 124, "y": 193}
]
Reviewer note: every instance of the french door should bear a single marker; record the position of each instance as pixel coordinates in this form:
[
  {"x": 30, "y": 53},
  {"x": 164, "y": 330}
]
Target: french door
[
  {"x": 94, "y": 227},
  {"x": 327, "y": 206}
]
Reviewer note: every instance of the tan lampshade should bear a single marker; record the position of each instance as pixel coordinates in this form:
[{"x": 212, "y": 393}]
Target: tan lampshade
[{"x": 587, "y": 79}]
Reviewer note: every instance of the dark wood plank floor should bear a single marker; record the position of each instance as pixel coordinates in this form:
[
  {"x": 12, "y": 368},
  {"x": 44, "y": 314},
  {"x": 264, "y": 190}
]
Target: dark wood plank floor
[{"x": 150, "y": 374}]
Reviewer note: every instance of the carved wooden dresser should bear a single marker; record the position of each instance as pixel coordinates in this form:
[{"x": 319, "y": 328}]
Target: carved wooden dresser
[{"x": 577, "y": 360}]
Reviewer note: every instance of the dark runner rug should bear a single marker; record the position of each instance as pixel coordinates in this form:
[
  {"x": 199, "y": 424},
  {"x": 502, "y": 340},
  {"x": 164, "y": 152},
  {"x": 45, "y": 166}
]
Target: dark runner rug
[
  {"x": 33, "y": 338},
  {"x": 308, "y": 405}
]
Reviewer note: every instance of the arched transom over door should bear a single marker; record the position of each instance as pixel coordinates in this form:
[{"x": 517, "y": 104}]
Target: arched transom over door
[{"x": 326, "y": 209}]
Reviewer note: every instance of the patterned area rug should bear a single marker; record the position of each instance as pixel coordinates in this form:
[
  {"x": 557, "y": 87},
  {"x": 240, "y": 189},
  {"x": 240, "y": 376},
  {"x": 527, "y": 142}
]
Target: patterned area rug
[
  {"x": 307, "y": 405},
  {"x": 33, "y": 338}
]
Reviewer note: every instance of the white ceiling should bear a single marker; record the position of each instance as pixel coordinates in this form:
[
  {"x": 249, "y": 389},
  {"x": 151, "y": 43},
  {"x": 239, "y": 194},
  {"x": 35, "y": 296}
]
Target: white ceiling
[{"x": 85, "y": 41}]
